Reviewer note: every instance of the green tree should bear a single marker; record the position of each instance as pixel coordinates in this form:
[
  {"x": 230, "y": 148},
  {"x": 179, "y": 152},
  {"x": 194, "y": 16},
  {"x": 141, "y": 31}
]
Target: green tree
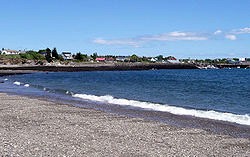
[
  {"x": 55, "y": 54},
  {"x": 85, "y": 57},
  {"x": 94, "y": 56},
  {"x": 223, "y": 60},
  {"x": 48, "y": 55},
  {"x": 208, "y": 60},
  {"x": 32, "y": 55},
  {"x": 79, "y": 56},
  {"x": 60, "y": 57},
  {"x": 134, "y": 58},
  {"x": 236, "y": 59},
  {"x": 160, "y": 57},
  {"x": 145, "y": 59}
]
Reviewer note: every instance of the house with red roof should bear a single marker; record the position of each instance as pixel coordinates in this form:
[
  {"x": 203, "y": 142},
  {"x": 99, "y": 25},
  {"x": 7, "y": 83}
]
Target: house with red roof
[{"x": 100, "y": 59}]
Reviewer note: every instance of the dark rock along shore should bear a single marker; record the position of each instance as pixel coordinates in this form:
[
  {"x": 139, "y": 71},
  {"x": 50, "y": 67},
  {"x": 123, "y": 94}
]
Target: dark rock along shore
[{"x": 102, "y": 67}]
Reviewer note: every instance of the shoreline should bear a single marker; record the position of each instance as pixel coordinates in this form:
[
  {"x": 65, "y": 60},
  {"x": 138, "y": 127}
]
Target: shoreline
[
  {"x": 31, "y": 127},
  {"x": 211, "y": 125},
  {"x": 15, "y": 72},
  {"x": 99, "y": 67},
  {"x": 182, "y": 121}
]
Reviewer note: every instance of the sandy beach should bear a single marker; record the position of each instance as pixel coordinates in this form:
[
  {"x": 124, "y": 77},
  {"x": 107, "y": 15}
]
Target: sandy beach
[{"x": 32, "y": 127}]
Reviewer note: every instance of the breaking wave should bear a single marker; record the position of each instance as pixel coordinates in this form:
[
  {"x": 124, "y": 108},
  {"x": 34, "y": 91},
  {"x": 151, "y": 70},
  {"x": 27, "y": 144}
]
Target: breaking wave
[
  {"x": 26, "y": 85},
  {"x": 229, "y": 117},
  {"x": 17, "y": 83},
  {"x": 20, "y": 83}
]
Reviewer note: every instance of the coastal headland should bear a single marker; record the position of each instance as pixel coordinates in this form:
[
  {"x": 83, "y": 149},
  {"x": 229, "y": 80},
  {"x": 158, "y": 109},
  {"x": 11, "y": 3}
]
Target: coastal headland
[{"x": 33, "y": 127}]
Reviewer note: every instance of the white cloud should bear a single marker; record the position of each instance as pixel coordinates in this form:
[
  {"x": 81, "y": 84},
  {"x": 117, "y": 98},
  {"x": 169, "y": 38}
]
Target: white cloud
[
  {"x": 217, "y": 32},
  {"x": 136, "y": 42},
  {"x": 116, "y": 42},
  {"x": 245, "y": 30},
  {"x": 230, "y": 37},
  {"x": 178, "y": 34},
  {"x": 175, "y": 36}
]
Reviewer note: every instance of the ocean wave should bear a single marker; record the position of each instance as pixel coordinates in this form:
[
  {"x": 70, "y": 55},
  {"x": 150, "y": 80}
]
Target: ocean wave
[
  {"x": 69, "y": 93},
  {"x": 20, "y": 83},
  {"x": 229, "y": 117},
  {"x": 17, "y": 83},
  {"x": 26, "y": 85}
]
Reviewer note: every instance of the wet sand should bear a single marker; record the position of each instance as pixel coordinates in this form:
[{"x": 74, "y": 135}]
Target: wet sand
[{"x": 32, "y": 127}]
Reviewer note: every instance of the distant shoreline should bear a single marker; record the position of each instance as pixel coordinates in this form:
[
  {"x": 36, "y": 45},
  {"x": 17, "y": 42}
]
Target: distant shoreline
[
  {"x": 97, "y": 67},
  {"x": 15, "y": 72}
]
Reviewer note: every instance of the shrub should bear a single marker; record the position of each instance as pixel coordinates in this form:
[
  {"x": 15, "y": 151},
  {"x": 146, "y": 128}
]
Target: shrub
[{"x": 32, "y": 55}]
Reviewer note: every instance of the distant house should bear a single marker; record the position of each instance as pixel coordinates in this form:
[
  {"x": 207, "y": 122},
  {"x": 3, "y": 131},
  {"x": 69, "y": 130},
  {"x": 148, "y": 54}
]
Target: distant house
[
  {"x": 232, "y": 61},
  {"x": 122, "y": 58},
  {"x": 172, "y": 59},
  {"x": 67, "y": 55},
  {"x": 10, "y": 52},
  {"x": 110, "y": 59},
  {"x": 242, "y": 59},
  {"x": 153, "y": 59},
  {"x": 100, "y": 59}
]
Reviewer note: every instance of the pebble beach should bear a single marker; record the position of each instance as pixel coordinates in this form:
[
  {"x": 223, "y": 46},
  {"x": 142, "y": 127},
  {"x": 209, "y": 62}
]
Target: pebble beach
[{"x": 34, "y": 127}]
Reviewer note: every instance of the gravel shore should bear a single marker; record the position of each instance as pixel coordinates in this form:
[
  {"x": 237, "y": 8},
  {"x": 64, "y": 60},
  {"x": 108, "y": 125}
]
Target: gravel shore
[{"x": 32, "y": 127}]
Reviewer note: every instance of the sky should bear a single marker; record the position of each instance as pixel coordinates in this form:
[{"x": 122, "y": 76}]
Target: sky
[{"x": 181, "y": 28}]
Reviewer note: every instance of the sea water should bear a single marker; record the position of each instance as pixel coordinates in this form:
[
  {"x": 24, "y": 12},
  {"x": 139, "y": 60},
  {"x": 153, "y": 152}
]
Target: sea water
[{"x": 219, "y": 94}]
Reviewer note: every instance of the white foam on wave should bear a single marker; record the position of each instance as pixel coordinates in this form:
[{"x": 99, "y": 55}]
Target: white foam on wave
[
  {"x": 17, "y": 83},
  {"x": 69, "y": 93},
  {"x": 6, "y": 79},
  {"x": 230, "y": 117},
  {"x": 26, "y": 85}
]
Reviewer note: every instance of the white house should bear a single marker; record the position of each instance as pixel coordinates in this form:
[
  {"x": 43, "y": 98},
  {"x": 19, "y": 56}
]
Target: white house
[
  {"x": 153, "y": 59},
  {"x": 242, "y": 59},
  {"x": 67, "y": 55},
  {"x": 172, "y": 59},
  {"x": 122, "y": 58},
  {"x": 10, "y": 52}
]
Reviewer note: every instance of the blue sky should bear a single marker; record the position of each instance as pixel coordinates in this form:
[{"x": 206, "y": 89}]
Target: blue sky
[{"x": 183, "y": 28}]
